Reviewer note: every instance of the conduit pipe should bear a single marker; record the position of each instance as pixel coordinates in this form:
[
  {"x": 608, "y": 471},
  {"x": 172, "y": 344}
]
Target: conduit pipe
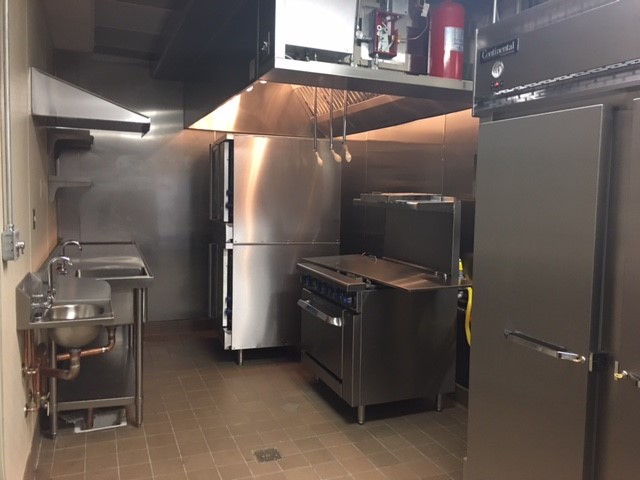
[
  {"x": 6, "y": 120},
  {"x": 11, "y": 245}
]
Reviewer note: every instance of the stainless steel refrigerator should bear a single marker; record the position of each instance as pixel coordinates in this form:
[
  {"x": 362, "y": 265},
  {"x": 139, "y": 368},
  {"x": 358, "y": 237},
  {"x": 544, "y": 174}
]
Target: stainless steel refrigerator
[
  {"x": 272, "y": 203},
  {"x": 555, "y": 331}
]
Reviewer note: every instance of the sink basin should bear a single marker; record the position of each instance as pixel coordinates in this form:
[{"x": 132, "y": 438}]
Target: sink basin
[
  {"x": 74, "y": 336},
  {"x": 73, "y": 312}
]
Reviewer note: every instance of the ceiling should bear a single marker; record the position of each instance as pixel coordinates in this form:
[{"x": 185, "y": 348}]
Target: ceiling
[{"x": 128, "y": 28}]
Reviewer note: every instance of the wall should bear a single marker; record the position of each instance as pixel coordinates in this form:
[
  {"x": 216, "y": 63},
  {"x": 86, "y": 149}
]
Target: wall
[
  {"x": 152, "y": 190},
  {"x": 29, "y": 45},
  {"x": 434, "y": 155}
]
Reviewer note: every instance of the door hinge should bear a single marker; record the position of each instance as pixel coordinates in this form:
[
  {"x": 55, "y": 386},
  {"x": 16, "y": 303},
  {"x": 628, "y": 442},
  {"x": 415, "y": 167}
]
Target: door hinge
[{"x": 599, "y": 361}]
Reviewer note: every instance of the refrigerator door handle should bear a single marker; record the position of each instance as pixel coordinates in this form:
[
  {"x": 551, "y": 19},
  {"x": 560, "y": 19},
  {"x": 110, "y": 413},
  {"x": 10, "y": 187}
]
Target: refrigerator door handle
[
  {"x": 335, "y": 321},
  {"x": 622, "y": 374},
  {"x": 543, "y": 347}
]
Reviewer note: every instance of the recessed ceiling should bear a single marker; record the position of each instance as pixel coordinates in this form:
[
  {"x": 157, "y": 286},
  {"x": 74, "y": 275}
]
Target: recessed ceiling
[{"x": 128, "y": 28}]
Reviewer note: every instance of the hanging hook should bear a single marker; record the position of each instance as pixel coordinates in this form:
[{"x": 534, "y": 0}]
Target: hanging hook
[
  {"x": 315, "y": 127},
  {"x": 347, "y": 154},
  {"x": 335, "y": 154}
]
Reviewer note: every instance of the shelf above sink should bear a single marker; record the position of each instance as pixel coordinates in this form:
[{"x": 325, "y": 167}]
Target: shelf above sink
[{"x": 56, "y": 183}]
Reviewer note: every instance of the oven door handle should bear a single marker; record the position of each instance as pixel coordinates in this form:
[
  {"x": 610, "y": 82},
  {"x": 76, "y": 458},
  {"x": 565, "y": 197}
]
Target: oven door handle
[{"x": 334, "y": 321}]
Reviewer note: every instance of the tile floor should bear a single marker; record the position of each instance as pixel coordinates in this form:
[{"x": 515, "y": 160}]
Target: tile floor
[{"x": 205, "y": 417}]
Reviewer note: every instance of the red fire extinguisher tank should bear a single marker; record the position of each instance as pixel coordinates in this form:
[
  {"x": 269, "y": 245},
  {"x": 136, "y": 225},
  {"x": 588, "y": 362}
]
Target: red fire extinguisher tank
[{"x": 446, "y": 45}]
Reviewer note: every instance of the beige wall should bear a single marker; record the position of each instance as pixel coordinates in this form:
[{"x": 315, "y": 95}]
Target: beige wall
[{"x": 29, "y": 46}]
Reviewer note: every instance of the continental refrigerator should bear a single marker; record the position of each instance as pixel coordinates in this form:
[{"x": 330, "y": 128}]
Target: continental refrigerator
[
  {"x": 271, "y": 203},
  {"x": 555, "y": 357}
]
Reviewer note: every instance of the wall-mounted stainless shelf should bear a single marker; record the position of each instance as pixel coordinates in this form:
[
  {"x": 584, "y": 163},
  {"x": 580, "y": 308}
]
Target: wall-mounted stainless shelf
[
  {"x": 56, "y": 183},
  {"x": 427, "y": 202}
]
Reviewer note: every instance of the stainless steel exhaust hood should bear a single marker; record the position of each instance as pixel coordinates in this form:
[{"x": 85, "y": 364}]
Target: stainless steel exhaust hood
[
  {"x": 261, "y": 59},
  {"x": 60, "y": 104}
]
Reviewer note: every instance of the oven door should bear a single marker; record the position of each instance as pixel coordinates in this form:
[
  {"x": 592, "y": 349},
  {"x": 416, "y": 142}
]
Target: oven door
[{"x": 322, "y": 333}]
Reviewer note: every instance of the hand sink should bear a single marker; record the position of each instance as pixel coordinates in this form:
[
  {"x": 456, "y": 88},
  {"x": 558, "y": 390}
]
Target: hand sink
[
  {"x": 73, "y": 312},
  {"x": 88, "y": 317}
]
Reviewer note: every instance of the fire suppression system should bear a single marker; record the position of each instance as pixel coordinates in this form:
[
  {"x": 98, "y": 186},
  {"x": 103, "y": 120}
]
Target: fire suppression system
[
  {"x": 385, "y": 37},
  {"x": 446, "y": 44}
]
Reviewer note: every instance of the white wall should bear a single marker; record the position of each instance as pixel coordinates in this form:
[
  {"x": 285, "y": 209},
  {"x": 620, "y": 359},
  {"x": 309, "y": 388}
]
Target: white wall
[{"x": 29, "y": 46}]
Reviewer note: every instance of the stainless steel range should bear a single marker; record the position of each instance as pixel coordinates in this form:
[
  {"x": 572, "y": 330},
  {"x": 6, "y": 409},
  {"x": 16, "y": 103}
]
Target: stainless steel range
[{"x": 377, "y": 330}]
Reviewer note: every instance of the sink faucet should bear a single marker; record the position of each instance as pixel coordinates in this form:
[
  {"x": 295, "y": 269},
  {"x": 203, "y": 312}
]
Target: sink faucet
[
  {"x": 62, "y": 269},
  {"x": 65, "y": 260}
]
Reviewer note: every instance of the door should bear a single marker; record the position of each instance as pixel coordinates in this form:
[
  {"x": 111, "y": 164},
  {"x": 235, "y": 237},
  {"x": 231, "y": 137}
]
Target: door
[
  {"x": 265, "y": 288},
  {"x": 221, "y": 181},
  {"x": 281, "y": 194},
  {"x": 619, "y": 419},
  {"x": 541, "y": 181}
]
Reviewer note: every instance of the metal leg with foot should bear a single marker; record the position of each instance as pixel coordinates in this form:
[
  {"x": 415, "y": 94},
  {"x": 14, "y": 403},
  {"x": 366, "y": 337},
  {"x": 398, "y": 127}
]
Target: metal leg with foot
[
  {"x": 140, "y": 306},
  {"x": 439, "y": 402},
  {"x": 53, "y": 393},
  {"x": 240, "y": 358},
  {"x": 361, "y": 414}
]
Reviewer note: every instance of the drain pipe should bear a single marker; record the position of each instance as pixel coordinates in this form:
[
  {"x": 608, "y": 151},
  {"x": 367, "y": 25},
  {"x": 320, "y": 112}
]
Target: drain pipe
[
  {"x": 12, "y": 247},
  {"x": 71, "y": 373},
  {"x": 111, "y": 332}
]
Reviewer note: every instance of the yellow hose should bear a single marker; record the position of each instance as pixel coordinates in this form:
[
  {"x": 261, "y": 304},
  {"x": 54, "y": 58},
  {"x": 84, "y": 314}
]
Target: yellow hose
[
  {"x": 467, "y": 316},
  {"x": 467, "y": 313}
]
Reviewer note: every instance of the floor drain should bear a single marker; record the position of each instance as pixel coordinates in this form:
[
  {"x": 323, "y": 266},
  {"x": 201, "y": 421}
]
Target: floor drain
[{"x": 267, "y": 455}]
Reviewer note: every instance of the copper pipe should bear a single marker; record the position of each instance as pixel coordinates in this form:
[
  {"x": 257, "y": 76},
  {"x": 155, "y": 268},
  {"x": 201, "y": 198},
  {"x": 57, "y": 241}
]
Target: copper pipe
[
  {"x": 93, "y": 351},
  {"x": 69, "y": 374},
  {"x": 27, "y": 353}
]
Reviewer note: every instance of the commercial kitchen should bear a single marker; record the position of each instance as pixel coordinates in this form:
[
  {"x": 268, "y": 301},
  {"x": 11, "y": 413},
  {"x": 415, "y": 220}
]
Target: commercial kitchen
[{"x": 338, "y": 239}]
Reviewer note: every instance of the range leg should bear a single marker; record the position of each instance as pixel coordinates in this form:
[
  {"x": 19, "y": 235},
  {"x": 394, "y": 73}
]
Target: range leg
[
  {"x": 439, "y": 402},
  {"x": 361, "y": 414}
]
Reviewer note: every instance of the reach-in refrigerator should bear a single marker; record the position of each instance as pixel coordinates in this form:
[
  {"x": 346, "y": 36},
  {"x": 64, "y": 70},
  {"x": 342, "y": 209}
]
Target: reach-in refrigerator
[
  {"x": 555, "y": 363},
  {"x": 272, "y": 203}
]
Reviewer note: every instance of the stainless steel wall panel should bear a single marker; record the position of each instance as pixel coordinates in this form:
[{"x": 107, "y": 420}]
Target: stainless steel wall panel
[
  {"x": 281, "y": 194},
  {"x": 434, "y": 155},
  {"x": 151, "y": 190},
  {"x": 266, "y": 287},
  {"x": 460, "y": 147},
  {"x": 540, "y": 188},
  {"x": 407, "y": 158}
]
